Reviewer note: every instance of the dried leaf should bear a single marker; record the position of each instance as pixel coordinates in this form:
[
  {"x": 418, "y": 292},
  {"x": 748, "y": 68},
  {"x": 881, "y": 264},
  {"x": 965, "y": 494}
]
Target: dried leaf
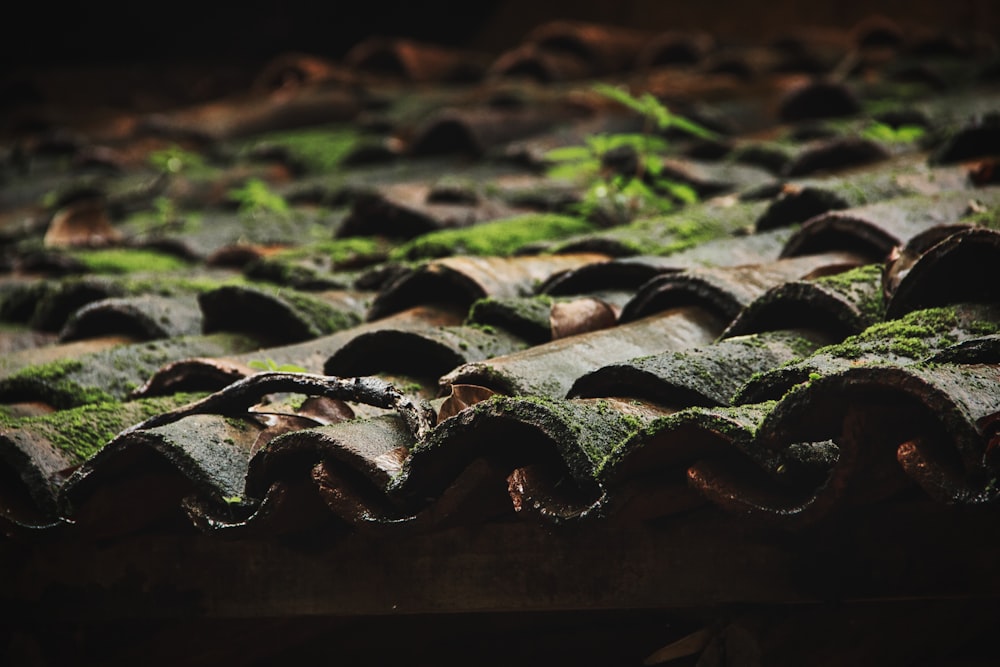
[
  {"x": 82, "y": 224},
  {"x": 461, "y": 397}
]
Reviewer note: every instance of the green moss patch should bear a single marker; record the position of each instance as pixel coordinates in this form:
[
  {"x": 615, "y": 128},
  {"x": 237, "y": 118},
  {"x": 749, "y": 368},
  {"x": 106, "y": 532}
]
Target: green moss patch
[
  {"x": 862, "y": 286},
  {"x": 128, "y": 260},
  {"x": 498, "y": 238},
  {"x": 81, "y": 432},
  {"x": 314, "y": 149}
]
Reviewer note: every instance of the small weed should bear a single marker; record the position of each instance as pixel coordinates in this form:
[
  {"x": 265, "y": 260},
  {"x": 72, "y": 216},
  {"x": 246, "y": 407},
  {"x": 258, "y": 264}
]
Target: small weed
[
  {"x": 255, "y": 198},
  {"x": 270, "y": 365},
  {"x": 175, "y": 160},
  {"x": 624, "y": 171},
  {"x": 903, "y": 134}
]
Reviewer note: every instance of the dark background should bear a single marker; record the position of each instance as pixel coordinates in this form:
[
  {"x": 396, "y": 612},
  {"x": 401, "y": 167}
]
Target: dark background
[
  {"x": 41, "y": 33},
  {"x": 142, "y": 54}
]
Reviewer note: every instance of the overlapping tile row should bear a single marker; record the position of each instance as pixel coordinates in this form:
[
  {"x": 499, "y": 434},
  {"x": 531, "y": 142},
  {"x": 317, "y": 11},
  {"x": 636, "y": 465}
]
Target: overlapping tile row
[{"x": 336, "y": 305}]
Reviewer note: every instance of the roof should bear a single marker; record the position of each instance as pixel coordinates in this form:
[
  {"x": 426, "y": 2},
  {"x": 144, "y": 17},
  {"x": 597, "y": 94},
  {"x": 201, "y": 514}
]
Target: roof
[{"x": 346, "y": 346}]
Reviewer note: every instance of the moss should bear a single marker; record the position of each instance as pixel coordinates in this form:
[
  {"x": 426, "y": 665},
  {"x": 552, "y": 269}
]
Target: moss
[
  {"x": 989, "y": 218},
  {"x": 983, "y": 327},
  {"x": 321, "y": 316},
  {"x": 126, "y": 260},
  {"x": 526, "y": 316},
  {"x": 909, "y": 336},
  {"x": 498, "y": 238},
  {"x": 593, "y": 430},
  {"x": 176, "y": 160},
  {"x": 683, "y": 232},
  {"x": 62, "y": 392},
  {"x": 351, "y": 251},
  {"x": 801, "y": 346},
  {"x": 862, "y": 285},
  {"x": 80, "y": 432},
  {"x": 315, "y": 149}
]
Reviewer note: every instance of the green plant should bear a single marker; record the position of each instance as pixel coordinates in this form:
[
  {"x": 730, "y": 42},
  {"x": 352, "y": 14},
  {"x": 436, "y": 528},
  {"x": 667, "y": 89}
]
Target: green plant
[
  {"x": 270, "y": 365},
  {"x": 255, "y": 198},
  {"x": 903, "y": 134},
  {"x": 624, "y": 172},
  {"x": 174, "y": 160}
]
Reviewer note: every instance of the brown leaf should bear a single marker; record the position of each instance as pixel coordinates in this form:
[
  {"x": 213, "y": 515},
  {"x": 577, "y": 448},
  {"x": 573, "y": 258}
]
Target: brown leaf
[
  {"x": 462, "y": 396},
  {"x": 326, "y": 410},
  {"x": 81, "y": 224}
]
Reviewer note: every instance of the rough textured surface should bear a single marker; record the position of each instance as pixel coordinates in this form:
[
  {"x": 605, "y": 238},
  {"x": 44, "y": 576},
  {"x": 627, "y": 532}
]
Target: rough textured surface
[{"x": 692, "y": 330}]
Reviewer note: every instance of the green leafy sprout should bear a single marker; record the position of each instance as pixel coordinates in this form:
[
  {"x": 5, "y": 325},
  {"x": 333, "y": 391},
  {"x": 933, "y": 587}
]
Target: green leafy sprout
[
  {"x": 612, "y": 194},
  {"x": 270, "y": 365},
  {"x": 175, "y": 160},
  {"x": 885, "y": 133},
  {"x": 255, "y": 198}
]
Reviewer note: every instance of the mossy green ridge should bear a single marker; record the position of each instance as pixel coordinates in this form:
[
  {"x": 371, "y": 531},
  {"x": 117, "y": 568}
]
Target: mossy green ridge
[
  {"x": 908, "y": 340},
  {"x": 499, "y": 238},
  {"x": 320, "y": 265},
  {"x": 313, "y": 149},
  {"x": 320, "y": 317},
  {"x": 581, "y": 433},
  {"x": 669, "y": 234},
  {"x": 46, "y": 305},
  {"x": 737, "y": 424},
  {"x": 82, "y": 431},
  {"x": 129, "y": 260},
  {"x": 528, "y": 317},
  {"x": 989, "y": 218},
  {"x": 707, "y": 375},
  {"x": 111, "y": 374},
  {"x": 861, "y": 286}
]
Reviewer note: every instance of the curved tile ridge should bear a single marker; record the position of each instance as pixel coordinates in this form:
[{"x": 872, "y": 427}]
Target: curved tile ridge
[
  {"x": 415, "y": 61},
  {"x": 646, "y": 474},
  {"x": 112, "y": 373},
  {"x": 551, "y": 368},
  {"x": 542, "y": 318},
  {"x": 841, "y": 304},
  {"x": 284, "y": 315},
  {"x": 547, "y": 450},
  {"x": 341, "y": 470},
  {"x": 239, "y": 395},
  {"x": 727, "y": 291},
  {"x": 803, "y": 199},
  {"x": 962, "y": 267},
  {"x": 923, "y": 419},
  {"x": 427, "y": 353},
  {"x": 409, "y": 210},
  {"x": 876, "y": 229},
  {"x": 605, "y": 49},
  {"x": 716, "y": 218},
  {"x": 143, "y": 317},
  {"x": 38, "y": 452},
  {"x": 198, "y": 454},
  {"x": 706, "y": 376},
  {"x": 918, "y": 336},
  {"x": 462, "y": 280},
  {"x": 246, "y": 115},
  {"x": 212, "y": 374},
  {"x": 478, "y": 131}
]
